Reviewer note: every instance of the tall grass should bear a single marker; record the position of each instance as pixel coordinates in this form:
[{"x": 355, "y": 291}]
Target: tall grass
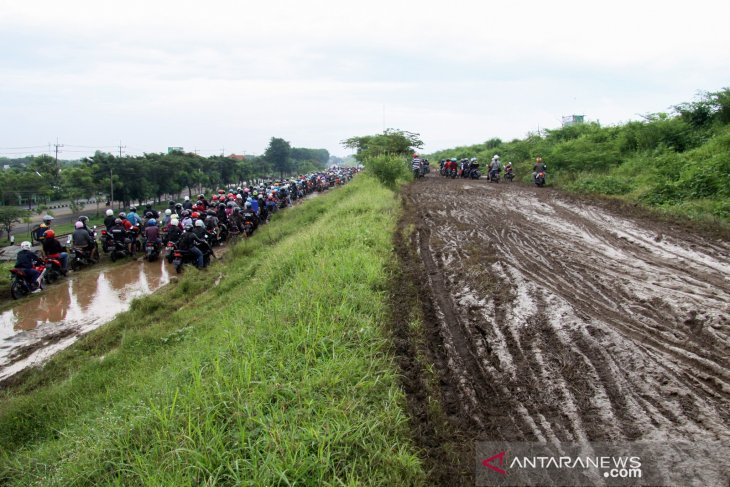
[{"x": 272, "y": 369}]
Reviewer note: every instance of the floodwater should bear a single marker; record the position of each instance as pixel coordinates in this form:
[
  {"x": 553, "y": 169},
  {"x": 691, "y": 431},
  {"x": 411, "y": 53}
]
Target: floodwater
[{"x": 53, "y": 319}]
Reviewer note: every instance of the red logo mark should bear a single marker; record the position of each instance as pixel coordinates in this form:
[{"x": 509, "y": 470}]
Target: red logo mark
[{"x": 488, "y": 463}]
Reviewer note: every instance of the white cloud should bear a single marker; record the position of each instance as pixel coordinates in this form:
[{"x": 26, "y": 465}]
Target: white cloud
[{"x": 228, "y": 73}]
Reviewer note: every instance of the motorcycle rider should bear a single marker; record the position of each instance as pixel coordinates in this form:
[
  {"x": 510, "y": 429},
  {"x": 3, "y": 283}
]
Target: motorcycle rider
[
  {"x": 40, "y": 233},
  {"x": 119, "y": 233},
  {"x": 173, "y": 231},
  {"x": 188, "y": 242},
  {"x": 248, "y": 214},
  {"x": 187, "y": 204},
  {"x": 539, "y": 167},
  {"x": 109, "y": 219},
  {"x": 133, "y": 217},
  {"x": 199, "y": 229},
  {"x": 27, "y": 260},
  {"x": 416, "y": 165},
  {"x": 494, "y": 167},
  {"x": 152, "y": 232},
  {"x": 149, "y": 209},
  {"x": 83, "y": 240},
  {"x": 52, "y": 248}
]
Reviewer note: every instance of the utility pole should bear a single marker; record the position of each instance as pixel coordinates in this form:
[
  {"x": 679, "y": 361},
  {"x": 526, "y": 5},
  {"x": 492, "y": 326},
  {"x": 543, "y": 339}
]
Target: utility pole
[
  {"x": 120, "y": 148},
  {"x": 57, "y": 145}
]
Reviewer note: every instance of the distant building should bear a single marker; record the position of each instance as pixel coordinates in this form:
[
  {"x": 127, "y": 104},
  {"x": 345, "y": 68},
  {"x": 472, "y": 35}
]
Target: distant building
[
  {"x": 573, "y": 120},
  {"x": 237, "y": 157}
]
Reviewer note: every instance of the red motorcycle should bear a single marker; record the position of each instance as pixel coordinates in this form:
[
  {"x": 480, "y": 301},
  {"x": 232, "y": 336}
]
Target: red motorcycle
[{"x": 22, "y": 285}]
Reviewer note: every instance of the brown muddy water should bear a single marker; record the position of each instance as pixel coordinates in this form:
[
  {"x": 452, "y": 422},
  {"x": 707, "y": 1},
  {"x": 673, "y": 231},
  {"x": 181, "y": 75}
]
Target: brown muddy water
[{"x": 41, "y": 325}]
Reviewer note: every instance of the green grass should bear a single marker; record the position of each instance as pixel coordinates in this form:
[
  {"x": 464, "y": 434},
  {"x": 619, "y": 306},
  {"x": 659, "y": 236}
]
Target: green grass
[{"x": 271, "y": 369}]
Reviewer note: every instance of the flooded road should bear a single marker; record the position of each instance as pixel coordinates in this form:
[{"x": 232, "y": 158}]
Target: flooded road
[{"x": 45, "y": 323}]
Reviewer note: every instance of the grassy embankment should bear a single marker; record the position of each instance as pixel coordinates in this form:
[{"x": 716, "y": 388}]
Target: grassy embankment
[
  {"x": 677, "y": 164},
  {"x": 272, "y": 369}
]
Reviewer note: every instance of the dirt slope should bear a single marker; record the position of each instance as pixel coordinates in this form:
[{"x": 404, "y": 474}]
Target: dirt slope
[{"x": 549, "y": 319}]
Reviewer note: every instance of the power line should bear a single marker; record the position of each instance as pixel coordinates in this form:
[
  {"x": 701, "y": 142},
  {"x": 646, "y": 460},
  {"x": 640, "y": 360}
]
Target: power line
[{"x": 28, "y": 147}]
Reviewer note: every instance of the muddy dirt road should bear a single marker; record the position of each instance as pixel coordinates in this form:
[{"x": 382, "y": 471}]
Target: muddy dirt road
[{"x": 549, "y": 319}]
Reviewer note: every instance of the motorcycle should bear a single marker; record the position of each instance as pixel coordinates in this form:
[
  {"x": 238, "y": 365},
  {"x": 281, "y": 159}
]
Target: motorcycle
[
  {"x": 247, "y": 228},
  {"x": 151, "y": 251},
  {"x": 509, "y": 175},
  {"x": 20, "y": 286},
  {"x": 182, "y": 257},
  {"x": 474, "y": 172},
  {"x": 119, "y": 249},
  {"x": 494, "y": 175},
  {"x": 170, "y": 252},
  {"x": 79, "y": 256},
  {"x": 107, "y": 241},
  {"x": 452, "y": 173},
  {"x": 540, "y": 179},
  {"x": 54, "y": 269}
]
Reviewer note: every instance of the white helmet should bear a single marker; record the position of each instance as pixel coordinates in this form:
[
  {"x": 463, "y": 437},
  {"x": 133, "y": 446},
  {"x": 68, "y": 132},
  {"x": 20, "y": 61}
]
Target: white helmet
[
  {"x": 109, "y": 212},
  {"x": 168, "y": 211},
  {"x": 496, "y": 156},
  {"x": 25, "y": 245},
  {"x": 187, "y": 198},
  {"x": 199, "y": 223}
]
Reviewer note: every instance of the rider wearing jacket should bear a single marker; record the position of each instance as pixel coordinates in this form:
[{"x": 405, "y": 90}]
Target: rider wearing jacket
[
  {"x": 53, "y": 248},
  {"x": 539, "y": 167},
  {"x": 27, "y": 260},
  {"x": 188, "y": 242}
]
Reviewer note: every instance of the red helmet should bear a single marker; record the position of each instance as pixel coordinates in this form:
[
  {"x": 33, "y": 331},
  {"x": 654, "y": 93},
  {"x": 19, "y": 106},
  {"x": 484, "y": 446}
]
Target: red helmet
[
  {"x": 221, "y": 191},
  {"x": 214, "y": 198},
  {"x": 49, "y": 234},
  {"x": 230, "y": 196},
  {"x": 195, "y": 215}
]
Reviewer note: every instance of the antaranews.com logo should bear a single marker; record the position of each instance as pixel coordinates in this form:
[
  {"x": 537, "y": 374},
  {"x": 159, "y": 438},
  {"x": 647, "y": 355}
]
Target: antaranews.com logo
[
  {"x": 603, "y": 464},
  {"x": 613, "y": 467}
]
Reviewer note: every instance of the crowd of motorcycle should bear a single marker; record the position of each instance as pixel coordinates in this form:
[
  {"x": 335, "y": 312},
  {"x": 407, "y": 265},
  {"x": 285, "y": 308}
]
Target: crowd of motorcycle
[
  {"x": 185, "y": 232},
  {"x": 470, "y": 169}
]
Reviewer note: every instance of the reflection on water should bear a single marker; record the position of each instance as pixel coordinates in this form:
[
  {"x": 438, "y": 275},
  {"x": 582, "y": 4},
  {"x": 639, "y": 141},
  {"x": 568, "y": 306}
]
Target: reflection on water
[{"x": 82, "y": 302}]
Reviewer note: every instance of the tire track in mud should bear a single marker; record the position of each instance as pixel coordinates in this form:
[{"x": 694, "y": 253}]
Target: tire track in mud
[{"x": 554, "y": 320}]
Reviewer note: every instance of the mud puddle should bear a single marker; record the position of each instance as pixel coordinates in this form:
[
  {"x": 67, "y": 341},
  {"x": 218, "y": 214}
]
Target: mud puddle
[{"x": 50, "y": 321}]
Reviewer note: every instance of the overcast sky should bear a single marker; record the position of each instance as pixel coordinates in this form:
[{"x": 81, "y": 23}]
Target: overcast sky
[{"x": 228, "y": 75}]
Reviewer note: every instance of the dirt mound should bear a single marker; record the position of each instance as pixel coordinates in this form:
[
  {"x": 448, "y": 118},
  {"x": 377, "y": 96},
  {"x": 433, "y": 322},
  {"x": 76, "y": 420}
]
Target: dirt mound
[{"x": 546, "y": 318}]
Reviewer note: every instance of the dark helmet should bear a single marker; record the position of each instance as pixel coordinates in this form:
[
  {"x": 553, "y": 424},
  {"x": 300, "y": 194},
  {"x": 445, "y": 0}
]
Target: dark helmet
[
  {"x": 83, "y": 219},
  {"x": 210, "y": 213},
  {"x": 149, "y": 214},
  {"x": 149, "y": 207},
  {"x": 221, "y": 205},
  {"x": 188, "y": 228},
  {"x": 178, "y": 205},
  {"x": 133, "y": 209}
]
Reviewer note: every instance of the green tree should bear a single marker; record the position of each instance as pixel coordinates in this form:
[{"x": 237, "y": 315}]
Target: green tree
[
  {"x": 10, "y": 215},
  {"x": 391, "y": 142},
  {"x": 278, "y": 153}
]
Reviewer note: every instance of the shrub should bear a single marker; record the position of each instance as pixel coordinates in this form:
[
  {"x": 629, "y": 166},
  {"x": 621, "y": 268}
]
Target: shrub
[{"x": 387, "y": 169}]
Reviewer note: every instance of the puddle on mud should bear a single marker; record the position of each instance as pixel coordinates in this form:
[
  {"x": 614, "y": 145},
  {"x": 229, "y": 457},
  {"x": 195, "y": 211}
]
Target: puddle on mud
[{"x": 50, "y": 321}]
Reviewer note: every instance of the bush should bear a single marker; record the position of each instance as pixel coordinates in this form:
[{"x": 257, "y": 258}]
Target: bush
[
  {"x": 387, "y": 169},
  {"x": 598, "y": 184}
]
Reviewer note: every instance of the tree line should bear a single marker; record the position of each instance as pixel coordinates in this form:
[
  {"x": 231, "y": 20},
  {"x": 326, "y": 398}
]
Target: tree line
[{"x": 150, "y": 176}]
